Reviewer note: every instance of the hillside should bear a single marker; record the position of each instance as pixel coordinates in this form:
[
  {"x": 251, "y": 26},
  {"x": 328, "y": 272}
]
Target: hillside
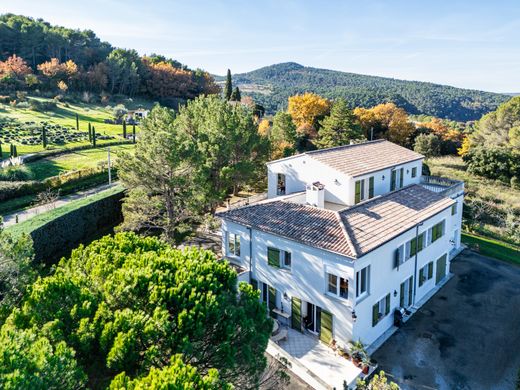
[{"x": 272, "y": 85}]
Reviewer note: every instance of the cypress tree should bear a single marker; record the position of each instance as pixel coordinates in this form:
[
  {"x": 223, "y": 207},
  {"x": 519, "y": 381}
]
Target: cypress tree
[
  {"x": 89, "y": 132},
  {"x": 11, "y": 150},
  {"x": 77, "y": 121},
  {"x": 1, "y": 150},
  {"x": 15, "y": 154},
  {"x": 93, "y": 136},
  {"x": 44, "y": 137},
  {"x": 133, "y": 134},
  {"x": 124, "y": 129},
  {"x": 235, "y": 96},
  {"x": 229, "y": 86}
]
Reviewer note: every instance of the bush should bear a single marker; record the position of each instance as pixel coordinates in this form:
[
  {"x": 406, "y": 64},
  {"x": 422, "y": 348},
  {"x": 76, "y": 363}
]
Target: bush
[
  {"x": 515, "y": 182},
  {"x": 15, "y": 173},
  {"x": 22, "y": 105},
  {"x": 492, "y": 163},
  {"x": 426, "y": 170},
  {"x": 428, "y": 145},
  {"x": 41, "y": 106}
]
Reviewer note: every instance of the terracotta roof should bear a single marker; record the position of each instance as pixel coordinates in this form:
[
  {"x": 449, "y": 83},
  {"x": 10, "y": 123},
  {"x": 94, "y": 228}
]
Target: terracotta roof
[
  {"x": 360, "y": 159},
  {"x": 352, "y": 232}
]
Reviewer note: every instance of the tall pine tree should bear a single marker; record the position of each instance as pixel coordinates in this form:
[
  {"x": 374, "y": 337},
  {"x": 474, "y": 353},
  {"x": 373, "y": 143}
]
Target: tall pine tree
[
  {"x": 228, "y": 88},
  {"x": 235, "y": 95},
  {"x": 340, "y": 127}
]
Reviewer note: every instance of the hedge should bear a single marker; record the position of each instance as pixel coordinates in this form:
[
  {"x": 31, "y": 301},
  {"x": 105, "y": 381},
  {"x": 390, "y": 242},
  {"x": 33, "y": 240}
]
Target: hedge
[{"x": 58, "y": 231}]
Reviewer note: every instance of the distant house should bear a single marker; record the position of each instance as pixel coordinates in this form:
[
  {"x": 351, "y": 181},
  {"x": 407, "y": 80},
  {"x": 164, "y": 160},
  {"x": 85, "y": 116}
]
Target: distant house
[
  {"x": 135, "y": 116},
  {"x": 347, "y": 237}
]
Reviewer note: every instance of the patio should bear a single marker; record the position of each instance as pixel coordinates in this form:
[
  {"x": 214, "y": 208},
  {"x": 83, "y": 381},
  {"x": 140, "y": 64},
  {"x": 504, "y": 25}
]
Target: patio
[{"x": 314, "y": 362}]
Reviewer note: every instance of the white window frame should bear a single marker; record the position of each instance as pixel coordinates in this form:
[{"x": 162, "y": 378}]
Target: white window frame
[
  {"x": 233, "y": 238},
  {"x": 278, "y": 190},
  {"x": 337, "y": 286},
  {"x": 360, "y": 294},
  {"x": 414, "y": 172},
  {"x": 283, "y": 257}
]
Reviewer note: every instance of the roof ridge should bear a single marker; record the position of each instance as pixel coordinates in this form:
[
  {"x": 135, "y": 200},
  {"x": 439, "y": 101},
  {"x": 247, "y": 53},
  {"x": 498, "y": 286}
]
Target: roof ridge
[
  {"x": 344, "y": 146},
  {"x": 346, "y": 235}
]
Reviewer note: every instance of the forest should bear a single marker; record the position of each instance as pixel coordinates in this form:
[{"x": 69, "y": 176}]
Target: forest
[
  {"x": 43, "y": 59},
  {"x": 271, "y": 86}
]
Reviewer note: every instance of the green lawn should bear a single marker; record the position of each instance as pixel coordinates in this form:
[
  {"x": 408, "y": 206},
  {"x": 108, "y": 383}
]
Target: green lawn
[
  {"x": 90, "y": 158},
  {"x": 493, "y": 248},
  {"x": 39, "y": 220},
  {"x": 65, "y": 115}
]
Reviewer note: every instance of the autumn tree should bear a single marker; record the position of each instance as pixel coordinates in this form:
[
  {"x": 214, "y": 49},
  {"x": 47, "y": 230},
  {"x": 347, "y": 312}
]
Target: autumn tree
[
  {"x": 128, "y": 304},
  {"x": 306, "y": 111},
  {"x": 163, "y": 80},
  {"x": 387, "y": 121},
  {"x": 340, "y": 127},
  {"x": 14, "y": 72}
]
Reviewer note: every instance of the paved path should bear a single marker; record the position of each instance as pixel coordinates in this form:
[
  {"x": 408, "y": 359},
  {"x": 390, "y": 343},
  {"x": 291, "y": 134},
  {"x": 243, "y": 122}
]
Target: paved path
[{"x": 23, "y": 215}]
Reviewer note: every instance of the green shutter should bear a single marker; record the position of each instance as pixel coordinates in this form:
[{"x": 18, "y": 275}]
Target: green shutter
[
  {"x": 410, "y": 293},
  {"x": 371, "y": 187},
  {"x": 401, "y": 296},
  {"x": 401, "y": 176},
  {"x": 375, "y": 314},
  {"x": 272, "y": 301},
  {"x": 273, "y": 257},
  {"x": 296, "y": 313},
  {"x": 421, "y": 277},
  {"x": 397, "y": 257},
  {"x": 357, "y": 197},
  {"x": 420, "y": 242},
  {"x": 326, "y": 327},
  {"x": 387, "y": 304},
  {"x": 413, "y": 247},
  {"x": 393, "y": 180},
  {"x": 430, "y": 269}
]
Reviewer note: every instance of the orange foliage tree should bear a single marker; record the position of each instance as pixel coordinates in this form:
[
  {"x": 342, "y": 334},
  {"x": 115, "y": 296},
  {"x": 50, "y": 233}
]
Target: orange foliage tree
[
  {"x": 14, "y": 66},
  {"x": 164, "y": 80},
  {"x": 55, "y": 71},
  {"x": 306, "y": 110}
]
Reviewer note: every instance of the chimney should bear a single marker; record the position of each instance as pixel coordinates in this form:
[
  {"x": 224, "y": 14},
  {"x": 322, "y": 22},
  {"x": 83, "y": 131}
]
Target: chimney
[{"x": 315, "y": 195}]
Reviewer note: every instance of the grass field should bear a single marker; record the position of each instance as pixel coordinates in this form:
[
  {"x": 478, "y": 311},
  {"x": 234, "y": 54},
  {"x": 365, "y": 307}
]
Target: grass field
[
  {"x": 34, "y": 223},
  {"x": 493, "y": 248},
  {"x": 90, "y": 158},
  {"x": 65, "y": 115}
]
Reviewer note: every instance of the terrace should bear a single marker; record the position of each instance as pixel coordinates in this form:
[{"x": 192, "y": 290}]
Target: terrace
[{"x": 442, "y": 185}]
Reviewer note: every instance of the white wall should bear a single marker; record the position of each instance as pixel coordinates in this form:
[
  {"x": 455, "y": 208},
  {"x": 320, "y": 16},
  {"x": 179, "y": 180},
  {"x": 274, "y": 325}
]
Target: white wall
[
  {"x": 384, "y": 278},
  {"x": 339, "y": 188},
  {"x": 243, "y": 231}
]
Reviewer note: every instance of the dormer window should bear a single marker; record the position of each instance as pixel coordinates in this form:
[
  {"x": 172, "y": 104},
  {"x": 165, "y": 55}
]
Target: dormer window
[{"x": 280, "y": 184}]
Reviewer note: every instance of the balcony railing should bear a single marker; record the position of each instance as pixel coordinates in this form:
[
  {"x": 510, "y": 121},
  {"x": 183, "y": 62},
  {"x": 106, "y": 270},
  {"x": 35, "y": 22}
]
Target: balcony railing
[
  {"x": 442, "y": 185},
  {"x": 247, "y": 201}
]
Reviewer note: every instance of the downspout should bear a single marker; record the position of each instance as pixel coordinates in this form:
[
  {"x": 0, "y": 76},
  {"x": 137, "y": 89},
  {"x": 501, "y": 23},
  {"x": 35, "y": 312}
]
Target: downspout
[
  {"x": 250, "y": 254},
  {"x": 416, "y": 260}
]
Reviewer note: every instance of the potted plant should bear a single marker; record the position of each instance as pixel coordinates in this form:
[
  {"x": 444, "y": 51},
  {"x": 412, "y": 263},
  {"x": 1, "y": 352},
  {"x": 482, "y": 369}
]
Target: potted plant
[{"x": 358, "y": 353}]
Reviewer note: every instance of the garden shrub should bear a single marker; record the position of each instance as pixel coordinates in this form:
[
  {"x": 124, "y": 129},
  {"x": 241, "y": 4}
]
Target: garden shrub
[
  {"x": 492, "y": 163},
  {"x": 15, "y": 173},
  {"x": 37, "y": 105}
]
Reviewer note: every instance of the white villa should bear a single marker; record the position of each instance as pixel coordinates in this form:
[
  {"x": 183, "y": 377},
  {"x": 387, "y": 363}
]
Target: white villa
[{"x": 346, "y": 236}]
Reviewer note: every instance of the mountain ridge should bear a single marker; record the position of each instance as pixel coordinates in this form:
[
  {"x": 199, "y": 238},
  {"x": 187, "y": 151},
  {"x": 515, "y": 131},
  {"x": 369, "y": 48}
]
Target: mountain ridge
[{"x": 272, "y": 85}]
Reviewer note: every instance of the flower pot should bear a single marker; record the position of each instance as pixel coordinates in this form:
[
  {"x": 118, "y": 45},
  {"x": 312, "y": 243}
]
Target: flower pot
[{"x": 365, "y": 370}]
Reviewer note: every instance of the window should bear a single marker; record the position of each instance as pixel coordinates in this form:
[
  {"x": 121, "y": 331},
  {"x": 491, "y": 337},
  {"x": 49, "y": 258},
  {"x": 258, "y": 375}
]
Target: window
[
  {"x": 454, "y": 209},
  {"x": 380, "y": 309},
  {"x": 362, "y": 281},
  {"x": 233, "y": 244},
  {"x": 333, "y": 287},
  {"x": 425, "y": 273},
  {"x": 333, "y": 284},
  {"x": 414, "y": 172},
  {"x": 436, "y": 231},
  {"x": 280, "y": 184},
  {"x": 362, "y": 192},
  {"x": 278, "y": 258}
]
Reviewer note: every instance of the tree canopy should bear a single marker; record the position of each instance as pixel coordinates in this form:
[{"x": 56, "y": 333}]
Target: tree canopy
[
  {"x": 129, "y": 304},
  {"x": 340, "y": 127}
]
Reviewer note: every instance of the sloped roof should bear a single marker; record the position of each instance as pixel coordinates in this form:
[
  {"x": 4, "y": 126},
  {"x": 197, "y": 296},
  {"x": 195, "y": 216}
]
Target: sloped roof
[
  {"x": 352, "y": 232},
  {"x": 360, "y": 159}
]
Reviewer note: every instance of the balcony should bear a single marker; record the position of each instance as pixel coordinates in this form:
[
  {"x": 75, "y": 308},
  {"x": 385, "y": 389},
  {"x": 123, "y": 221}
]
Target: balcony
[{"x": 442, "y": 185}]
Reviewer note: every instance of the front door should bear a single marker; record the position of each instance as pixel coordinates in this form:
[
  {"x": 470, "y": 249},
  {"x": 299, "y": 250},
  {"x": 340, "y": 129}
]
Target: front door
[
  {"x": 313, "y": 318},
  {"x": 405, "y": 299},
  {"x": 296, "y": 313},
  {"x": 326, "y": 327},
  {"x": 441, "y": 269}
]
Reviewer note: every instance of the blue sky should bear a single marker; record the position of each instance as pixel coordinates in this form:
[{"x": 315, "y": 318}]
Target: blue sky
[{"x": 471, "y": 44}]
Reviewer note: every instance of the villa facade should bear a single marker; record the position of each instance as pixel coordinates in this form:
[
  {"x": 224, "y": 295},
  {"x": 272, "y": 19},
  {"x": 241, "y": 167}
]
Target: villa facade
[{"x": 347, "y": 236}]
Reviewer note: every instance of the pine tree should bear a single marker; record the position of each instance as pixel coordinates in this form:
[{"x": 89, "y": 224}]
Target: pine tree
[
  {"x": 235, "y": 96},
  {"x": 124, "y": 129},
  {"x": 340, "y": 127},
  {"x": 77, "y": 122},
  {"x": 228, "y": 88}
]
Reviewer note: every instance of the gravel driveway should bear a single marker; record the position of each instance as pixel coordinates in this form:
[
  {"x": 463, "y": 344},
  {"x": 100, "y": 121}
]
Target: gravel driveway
[{"x": 466, "y": 337}]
